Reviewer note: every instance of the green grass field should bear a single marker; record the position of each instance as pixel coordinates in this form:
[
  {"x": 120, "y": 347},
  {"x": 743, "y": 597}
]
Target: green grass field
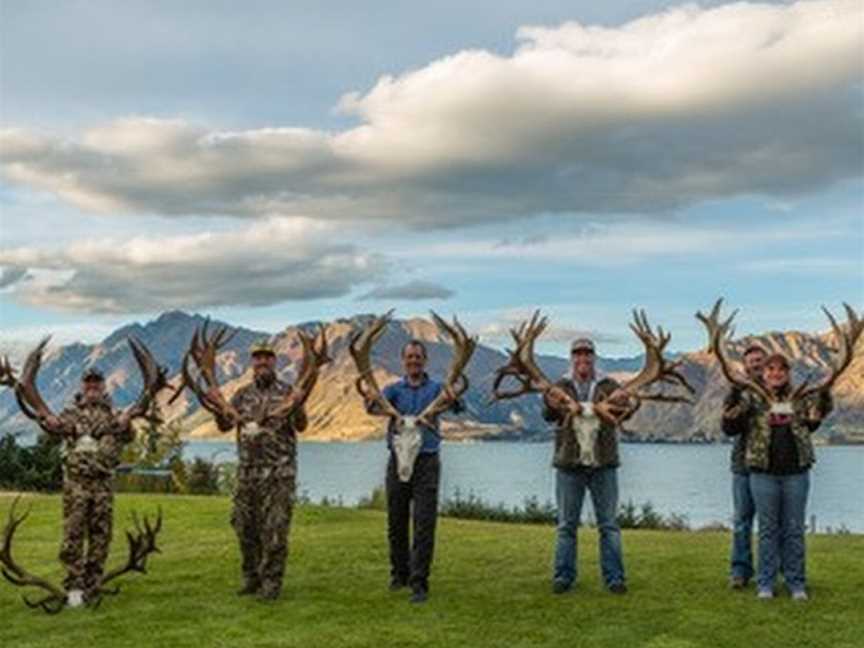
[{"x": 490, "y": 587}]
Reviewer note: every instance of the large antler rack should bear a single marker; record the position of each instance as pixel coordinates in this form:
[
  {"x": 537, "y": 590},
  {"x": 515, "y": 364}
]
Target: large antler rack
[
  {"x": 456, "y": 382},
  {"x": 202, "y": 352},
  {"x": 656, "y": 370},
  {"x": 360, "y": 347},
  {"x": 315, "y": 356},
  {"x": 32, "y": 405},
  {"x": 719, "y": 333},
  {"x": 153, "y": 378},
  {"x": 847, "y": 339},
  {"x": 17, "y": 575}
]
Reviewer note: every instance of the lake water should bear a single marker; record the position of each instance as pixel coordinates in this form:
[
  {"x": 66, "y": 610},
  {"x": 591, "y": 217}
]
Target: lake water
[{"x": 692, "y": 480}]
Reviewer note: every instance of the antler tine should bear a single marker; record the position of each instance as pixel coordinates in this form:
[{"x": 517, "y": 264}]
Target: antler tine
[
  {"x": 520, "y": 365},
  {"x": 26, "y": 392},
  {"x": 7, "y": 374},
  {"x": 16, "y": 574},
  {"x": 847, "y": 341},
  {"x": 360, "y": 348},
  {"x": 455, "y": 382}
]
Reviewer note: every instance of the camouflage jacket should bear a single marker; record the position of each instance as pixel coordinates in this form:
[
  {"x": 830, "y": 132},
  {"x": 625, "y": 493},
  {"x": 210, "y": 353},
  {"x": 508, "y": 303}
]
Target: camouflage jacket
[
  {"x": 92, "y": 439},
  {"x": 263, "y": 441},
  {"x": 567, "y": 450},
  {"x": 754, "y": 415}
]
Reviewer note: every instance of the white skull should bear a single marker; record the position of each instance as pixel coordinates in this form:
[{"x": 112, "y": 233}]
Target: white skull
[
  {"x": 86, "y": 443},
  {"x": 585, "y": 429},
  {"x": 250, "y": 429},
  {"x": 783, "y": 409},
  {"x": 406, "y": 444}
]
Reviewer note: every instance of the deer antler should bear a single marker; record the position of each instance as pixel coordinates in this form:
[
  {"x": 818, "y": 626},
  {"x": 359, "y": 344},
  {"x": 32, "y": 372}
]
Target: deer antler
[
  {"x": 20, "y": 577},
  {"x": 456, "y": 382},
  {"x": 521, "y": 365},
  {"x": 153, "y": 377},
  {"x": 847, "y": 340},
  {"x": 656, "y": 368},
  {"x": 142, "y": 543},
  {"x": 719, "y": 332},
  {"x": 26, "y": 393},
  {"x": 202, "y": 351},
  {"x": 315, "y": 356},
  {"x": 360, "y": 348},
  {"x": 7, "y": 373},
  {"x": 523, "y": 368}
]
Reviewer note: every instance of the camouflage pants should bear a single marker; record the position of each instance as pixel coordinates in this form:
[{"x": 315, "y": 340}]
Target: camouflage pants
[
  {"x": 88, "y": 515},
  {"x": 263, "y": 505}
]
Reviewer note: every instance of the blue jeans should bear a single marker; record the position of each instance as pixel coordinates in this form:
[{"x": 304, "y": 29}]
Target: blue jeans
[
  {"x": 781, "y": 508},
  {"x": 570, "y": 486},
  {"x": 742, "y": 527}
]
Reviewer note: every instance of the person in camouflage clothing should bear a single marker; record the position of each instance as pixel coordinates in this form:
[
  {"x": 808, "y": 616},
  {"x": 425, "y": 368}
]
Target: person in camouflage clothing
[
  {"x": 779, "y": 454},
  {"x": 744, "y": 510},
  {"x": 93, "y": 434},
  {"x": 266, "y": 474}
]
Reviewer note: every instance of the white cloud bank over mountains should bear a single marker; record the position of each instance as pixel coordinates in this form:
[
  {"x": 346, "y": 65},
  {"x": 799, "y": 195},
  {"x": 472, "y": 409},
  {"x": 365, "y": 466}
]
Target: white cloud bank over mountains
[
  {"x": 686, "y": 105},
  {"x": 266, "y": 263}
]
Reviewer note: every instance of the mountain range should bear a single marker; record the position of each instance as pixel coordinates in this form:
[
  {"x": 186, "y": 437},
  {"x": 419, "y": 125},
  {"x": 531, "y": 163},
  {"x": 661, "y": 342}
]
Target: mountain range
[{"x": 336, "y": 411}]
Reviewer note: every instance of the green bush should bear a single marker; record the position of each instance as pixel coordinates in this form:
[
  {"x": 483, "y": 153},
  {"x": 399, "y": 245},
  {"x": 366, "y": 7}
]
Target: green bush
[{"x": 33, "y": 468}]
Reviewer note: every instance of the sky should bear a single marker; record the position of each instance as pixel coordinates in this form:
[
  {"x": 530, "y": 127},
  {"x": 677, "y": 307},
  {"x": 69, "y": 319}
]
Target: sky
[{"x": 272, "y": 163}]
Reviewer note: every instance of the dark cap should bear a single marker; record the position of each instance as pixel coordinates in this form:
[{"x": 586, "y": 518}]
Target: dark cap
[{"x": 92, "y": 375}]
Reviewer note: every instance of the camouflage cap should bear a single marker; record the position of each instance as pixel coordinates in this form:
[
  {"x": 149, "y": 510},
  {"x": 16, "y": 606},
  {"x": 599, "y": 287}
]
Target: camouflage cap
[
  {"x": 262, "y": 346},
  {"x": 92, "y": 375}
]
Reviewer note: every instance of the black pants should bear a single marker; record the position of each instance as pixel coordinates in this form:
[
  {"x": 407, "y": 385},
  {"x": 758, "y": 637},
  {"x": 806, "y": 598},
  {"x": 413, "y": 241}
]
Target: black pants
[{"x": 412, "y": 565}]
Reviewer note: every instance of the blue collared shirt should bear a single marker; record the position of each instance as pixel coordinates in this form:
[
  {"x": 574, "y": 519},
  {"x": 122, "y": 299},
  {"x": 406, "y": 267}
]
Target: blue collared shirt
[{"x": 411, "y": 400}]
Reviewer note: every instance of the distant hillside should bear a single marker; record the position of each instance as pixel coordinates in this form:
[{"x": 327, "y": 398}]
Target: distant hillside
[{"x": 336, "y": 412}]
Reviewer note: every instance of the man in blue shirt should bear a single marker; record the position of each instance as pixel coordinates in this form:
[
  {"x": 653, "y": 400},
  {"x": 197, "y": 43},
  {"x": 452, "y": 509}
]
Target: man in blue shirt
[{"x": 409, "y": 565}]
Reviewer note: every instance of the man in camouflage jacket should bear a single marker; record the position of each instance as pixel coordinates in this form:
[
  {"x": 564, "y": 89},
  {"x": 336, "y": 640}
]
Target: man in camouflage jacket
[
  {"x": 93, "y": 434},
  {"x": 266, "y": 474}
]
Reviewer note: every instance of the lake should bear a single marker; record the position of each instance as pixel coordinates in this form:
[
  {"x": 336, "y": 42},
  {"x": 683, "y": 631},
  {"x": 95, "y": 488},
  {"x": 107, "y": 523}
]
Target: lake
[{"x": 692, "y": 480}]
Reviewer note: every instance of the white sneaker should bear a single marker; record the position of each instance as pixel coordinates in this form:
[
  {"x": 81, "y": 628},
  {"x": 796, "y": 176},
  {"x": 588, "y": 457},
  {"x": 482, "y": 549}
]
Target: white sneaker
[
  {"x": 800, "y": 595},
  {"x": 75, "y": 598},
  {"x": 765, "y": 594}
]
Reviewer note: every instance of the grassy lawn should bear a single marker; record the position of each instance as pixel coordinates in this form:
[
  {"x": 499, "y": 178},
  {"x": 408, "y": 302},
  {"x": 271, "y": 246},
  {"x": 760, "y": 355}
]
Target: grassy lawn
[{"x": 490, "y": 587}]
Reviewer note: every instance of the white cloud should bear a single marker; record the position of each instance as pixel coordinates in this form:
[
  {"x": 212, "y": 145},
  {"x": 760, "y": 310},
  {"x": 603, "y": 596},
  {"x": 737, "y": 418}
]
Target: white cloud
[
  {"x": 678, "y": 107},
  {"x": 269, "y": 262},
  {"x": 560, "y": 330}
]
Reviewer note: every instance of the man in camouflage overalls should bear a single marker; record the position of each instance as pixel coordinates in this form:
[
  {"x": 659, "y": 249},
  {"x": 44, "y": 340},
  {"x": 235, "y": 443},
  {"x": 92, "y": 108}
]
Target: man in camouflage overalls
[
  {"x": 93, "y": 435},
  {"x": 266, "y": 474}
]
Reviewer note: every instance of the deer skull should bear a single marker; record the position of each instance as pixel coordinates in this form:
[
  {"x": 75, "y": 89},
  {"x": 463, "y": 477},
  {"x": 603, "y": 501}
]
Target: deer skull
[
  {"x": 584, "y": 428},
  {"x": 407, "y": 440}
]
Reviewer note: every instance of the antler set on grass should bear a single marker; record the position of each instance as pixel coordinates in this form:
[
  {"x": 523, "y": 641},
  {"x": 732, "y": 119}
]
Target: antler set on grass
[
  {"x": 720, "y": 332},
  {"x": 523, "y": 368},
  {"x": 142, "y": 543}
]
